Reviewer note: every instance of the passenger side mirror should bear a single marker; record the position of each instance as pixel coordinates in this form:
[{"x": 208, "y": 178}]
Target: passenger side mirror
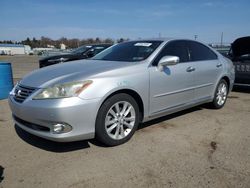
[{"x": 168, "y": 61}]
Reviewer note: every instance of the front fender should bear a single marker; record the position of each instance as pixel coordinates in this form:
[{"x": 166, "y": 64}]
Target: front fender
[{"x": 102, "y": 88}]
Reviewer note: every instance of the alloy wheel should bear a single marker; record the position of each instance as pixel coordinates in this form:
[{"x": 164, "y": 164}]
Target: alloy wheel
[
  {"x": 120, "y": 120},
  {"x": 221, "y": 94}
]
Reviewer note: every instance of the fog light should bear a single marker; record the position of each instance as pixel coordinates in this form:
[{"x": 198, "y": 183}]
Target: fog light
[{"x": 61, "y": 128}]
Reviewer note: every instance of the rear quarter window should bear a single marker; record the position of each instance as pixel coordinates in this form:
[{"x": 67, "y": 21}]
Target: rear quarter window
[{"x": 200, "y": 52}]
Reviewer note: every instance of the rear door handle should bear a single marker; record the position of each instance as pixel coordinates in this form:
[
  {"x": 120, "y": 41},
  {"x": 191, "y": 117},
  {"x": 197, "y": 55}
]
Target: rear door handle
[
  {"x": 219, "y": 65},
  {"x": 190, "y": 69}
]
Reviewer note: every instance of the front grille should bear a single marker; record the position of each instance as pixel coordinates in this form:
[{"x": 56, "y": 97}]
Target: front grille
[
  {"x": 31, "y": 125},
  {"x": 242, "y": 68},
  {"x": 22, "y": 92}
]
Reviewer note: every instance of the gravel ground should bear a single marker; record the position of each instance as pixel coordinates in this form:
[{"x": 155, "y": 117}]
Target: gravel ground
[{"x": 199, "y": 147}]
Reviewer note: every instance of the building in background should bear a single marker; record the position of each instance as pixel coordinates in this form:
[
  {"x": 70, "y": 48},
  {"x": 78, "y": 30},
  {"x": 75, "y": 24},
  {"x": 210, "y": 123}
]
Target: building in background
[
  {"x": 62, "y": 46},
  {"x": 5, "y": 50},
  {"x": 14, "y": 49},
  {"x": 27, "y": 49}
]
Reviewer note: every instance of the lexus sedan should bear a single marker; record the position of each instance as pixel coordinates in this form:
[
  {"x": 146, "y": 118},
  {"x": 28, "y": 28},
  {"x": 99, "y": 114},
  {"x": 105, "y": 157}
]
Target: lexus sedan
[
  {"x": 83, "y": 52},
  {"x": 107, "y": 96}
]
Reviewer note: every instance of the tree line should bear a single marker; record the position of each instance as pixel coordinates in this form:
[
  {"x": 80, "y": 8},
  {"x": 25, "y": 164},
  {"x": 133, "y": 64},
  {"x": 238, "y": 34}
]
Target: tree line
[{"x": 44, "y": 42}]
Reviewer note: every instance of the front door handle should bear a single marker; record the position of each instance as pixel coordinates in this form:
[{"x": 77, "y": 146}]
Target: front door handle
[
  {"x": 190, "y": 69},
  {"x": 219, "y": 65}
]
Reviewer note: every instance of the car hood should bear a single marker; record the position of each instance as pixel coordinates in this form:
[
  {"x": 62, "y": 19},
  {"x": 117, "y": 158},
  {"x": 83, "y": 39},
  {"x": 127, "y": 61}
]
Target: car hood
[
  {"x": 68, "y": 72},
  {"x": 241, "y": 46}
]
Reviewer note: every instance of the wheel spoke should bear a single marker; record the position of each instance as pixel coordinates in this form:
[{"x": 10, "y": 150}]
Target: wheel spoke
[
  {"x": 109, "y": 122},
  {"x": 111, "y": 128},
  {"x": 112, "y": 113},
  {"x": 220, "y": 100},
  {"x": 223, "y": 89},
  {"x": 122, "y": 131},
  {"x": 132, "y": 118},
  {"x": 219, "y": 92},
  {"x": 117, "y": 108},
  {"x": 128, "y": 125},
  {"x": 117, "y": 132},
  {"x": 124, "y": 108},
  {"x": 127, "y": 111}
]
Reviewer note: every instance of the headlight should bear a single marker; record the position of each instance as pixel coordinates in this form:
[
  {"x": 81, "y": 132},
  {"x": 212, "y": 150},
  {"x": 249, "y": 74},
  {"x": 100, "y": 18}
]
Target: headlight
[{"x": 65, "y": 90}]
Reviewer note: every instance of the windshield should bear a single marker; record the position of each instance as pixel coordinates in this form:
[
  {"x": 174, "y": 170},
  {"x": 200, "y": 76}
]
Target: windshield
[
  {"x": 129, "y": 51},
  {"x": 81, "y": 49}
]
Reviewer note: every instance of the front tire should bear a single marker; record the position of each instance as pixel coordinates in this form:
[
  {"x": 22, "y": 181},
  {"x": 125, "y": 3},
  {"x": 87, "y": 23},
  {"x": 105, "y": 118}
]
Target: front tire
[
  {"x": 220, "y": 96},
  {"x": 117, "y": 120}
]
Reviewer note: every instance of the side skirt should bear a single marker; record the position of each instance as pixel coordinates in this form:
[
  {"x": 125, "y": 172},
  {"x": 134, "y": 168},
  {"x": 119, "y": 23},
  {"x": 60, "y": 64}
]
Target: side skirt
[{"x": 178, "y": 108}]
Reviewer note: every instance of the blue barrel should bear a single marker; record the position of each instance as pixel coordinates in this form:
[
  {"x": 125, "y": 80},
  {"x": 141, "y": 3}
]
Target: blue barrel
[{"x": 6, "y": 79}]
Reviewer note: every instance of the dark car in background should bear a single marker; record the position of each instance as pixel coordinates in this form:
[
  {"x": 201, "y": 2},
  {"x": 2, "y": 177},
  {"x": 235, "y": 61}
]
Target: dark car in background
[
  {"x": 240, "y": 55},
  {"x": 83, "y": 52}
]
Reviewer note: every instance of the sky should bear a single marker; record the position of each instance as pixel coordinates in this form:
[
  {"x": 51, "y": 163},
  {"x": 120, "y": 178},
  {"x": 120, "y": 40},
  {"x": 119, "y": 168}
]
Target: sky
[{"x": 125, "y": 19}]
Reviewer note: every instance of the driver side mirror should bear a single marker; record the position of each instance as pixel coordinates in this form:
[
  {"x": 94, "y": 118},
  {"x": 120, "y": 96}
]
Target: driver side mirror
[{"x": 167, "y": 61}]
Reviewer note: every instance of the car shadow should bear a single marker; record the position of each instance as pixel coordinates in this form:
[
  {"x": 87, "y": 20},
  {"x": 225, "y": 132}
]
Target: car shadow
[
  {"x": 48, "y": 145},
  {"x": 241, "y": 89},
  {"x": 58, "y": 147}
]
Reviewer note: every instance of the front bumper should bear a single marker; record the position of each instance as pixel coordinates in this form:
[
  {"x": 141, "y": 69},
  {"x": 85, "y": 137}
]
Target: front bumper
[
  {"x": 242, "y": 79},
  {"x": 78, "y": 113}
]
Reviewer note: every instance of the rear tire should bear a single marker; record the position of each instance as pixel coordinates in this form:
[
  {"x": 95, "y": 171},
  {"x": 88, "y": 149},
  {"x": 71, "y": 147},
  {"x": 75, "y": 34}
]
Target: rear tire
[
  {"x": 220, "y": 96},
  {"x": 117, "y": 120}
]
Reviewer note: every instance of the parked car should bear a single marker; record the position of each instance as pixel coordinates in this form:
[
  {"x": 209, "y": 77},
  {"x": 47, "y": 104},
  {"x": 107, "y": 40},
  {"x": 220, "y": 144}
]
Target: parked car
[
  {"x": 82, "y": 52},
  {"x": 240, "y": 55},
  {"x": 107, "y": 96}
]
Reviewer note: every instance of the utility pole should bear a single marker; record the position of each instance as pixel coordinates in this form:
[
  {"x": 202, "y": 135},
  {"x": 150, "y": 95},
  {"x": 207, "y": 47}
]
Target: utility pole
[
  {"x": 159, "y": 35},
  {"x": 221, "y": 39},
  {"x": 195, "y": 37}
]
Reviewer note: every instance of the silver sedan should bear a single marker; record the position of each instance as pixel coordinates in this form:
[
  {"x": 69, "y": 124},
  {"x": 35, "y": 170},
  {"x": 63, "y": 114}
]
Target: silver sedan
[{"x": 107, "y": 96}]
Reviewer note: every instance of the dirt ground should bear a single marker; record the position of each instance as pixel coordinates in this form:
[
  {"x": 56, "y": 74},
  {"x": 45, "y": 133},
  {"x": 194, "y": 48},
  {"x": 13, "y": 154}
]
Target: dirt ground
[{"x": 199, "y": 147}]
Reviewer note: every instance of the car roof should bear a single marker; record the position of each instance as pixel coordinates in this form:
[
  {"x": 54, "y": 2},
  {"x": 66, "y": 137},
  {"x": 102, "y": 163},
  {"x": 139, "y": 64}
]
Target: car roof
[
  {"x": 102, "y": 44},
  {"x": 156, "y": 39},
  {"x": 166, "y": 39}
]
